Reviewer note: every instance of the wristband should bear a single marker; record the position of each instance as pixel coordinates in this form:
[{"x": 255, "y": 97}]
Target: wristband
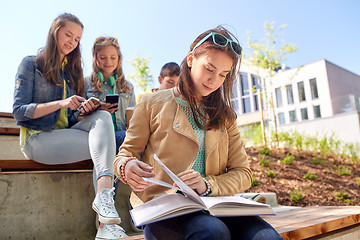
[
  {"x": 208, "y": 189},
  {"x": 122, "y": 168}
]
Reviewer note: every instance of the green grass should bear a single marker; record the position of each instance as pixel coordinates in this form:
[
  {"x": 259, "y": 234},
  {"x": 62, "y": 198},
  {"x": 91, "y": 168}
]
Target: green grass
[
  {"x": 263, "y": 161},
  {"x": 254, "y": 182},
  {"x": 270, "y": 174},
  {"x": 310, "y": 176},
  {"x": 341, "y": 196},
  {"x": 264, "y": 151},
  {"x": 342, "y": 170},
  {"x": 318, "y": 161},
  {"x": 289, "y": 159}
]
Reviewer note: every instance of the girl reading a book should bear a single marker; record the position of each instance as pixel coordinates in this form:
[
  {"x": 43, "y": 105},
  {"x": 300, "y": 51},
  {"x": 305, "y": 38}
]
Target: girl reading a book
[
  {"x": 192, "y": 129},
  {"x": 56, "y": 124}
]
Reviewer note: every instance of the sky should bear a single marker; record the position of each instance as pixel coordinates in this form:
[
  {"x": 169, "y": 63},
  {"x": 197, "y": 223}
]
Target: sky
[{"x": 164, "y": 29}]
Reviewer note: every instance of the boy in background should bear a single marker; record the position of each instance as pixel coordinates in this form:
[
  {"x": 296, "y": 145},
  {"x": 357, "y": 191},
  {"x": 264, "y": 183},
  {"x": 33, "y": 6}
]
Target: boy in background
[{"x": 168, "y": 78}]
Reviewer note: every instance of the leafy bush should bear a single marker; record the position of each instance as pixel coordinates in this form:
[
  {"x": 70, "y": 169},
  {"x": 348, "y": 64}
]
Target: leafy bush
[
  {"x": 344, "y": 197},
  {"x": 289, "y": 159},
  {"x": 296, "y": 195},
  {"x": 358, "y": 180},
  {"x": 270, "y": 173},
  {"x": 318, "y": 161},
  {"x": 342, "y": 170},
  {"x": 264, "y": 151},
  {"x": 310, "y": 176},
  {"x": 254, "y": 182},
  {"x": 263, "y": 161}
]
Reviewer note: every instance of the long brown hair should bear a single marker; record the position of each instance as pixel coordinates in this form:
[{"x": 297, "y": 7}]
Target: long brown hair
[
  {"x": 49, "y": 59},
  {"x": 121, "y": 83},
  {"x": 217, "y": 105}
]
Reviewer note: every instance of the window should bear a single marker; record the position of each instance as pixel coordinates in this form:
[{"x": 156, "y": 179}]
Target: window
[
  {"x": 304, "y": 114},
  {"x": 279, "y": 102},
  {"x": 314, "y": 90},
  {"x": 244, "y": 84},
  {"x": 245, "y": 93},
  {"x": 289, "y": 93},
  {"x": 292, "y": 115},
  {"x": 301, "y": 90},
  {"x": 281, "y": 118},
  {"x": 317, "y": 112},
  {"x": 246, "y": 105},
  {"x": 256, "y": 85},
  {"x": 255, "y": 82}
]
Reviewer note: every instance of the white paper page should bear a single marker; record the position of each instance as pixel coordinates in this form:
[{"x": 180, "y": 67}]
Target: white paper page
[
  {"x": 161, "y": 206},
  {"x": 183, "y": 187},
  {"x": 159, "y": 182},
  {"x": 236, "y": 200}
]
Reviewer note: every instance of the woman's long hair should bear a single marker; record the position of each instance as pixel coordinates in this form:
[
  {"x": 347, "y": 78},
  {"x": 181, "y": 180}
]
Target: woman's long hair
[
  {"x": 217, "y": 105},
  {"x": 121, "y": 83},
  {"x": 49, "y": 59}
]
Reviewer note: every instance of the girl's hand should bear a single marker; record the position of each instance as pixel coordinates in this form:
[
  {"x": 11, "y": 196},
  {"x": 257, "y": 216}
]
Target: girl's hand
[
  {"x": 194, "y": 180},
  {"x": 89, "y": 105},
  {"x": 134, "y": 171},
  {"x": 72, "y": 102},
  {"x": 110, "y": 107}
]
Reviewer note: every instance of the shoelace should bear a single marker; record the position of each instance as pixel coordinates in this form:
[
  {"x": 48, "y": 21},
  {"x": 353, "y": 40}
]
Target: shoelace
[
  {"x": 108, "y": 201},
  {"x": 116, "y": 230}
]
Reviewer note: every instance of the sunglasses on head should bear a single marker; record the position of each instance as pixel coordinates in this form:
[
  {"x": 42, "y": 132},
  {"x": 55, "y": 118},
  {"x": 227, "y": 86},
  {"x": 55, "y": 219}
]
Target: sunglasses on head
[
  {"x": 103, "y": 39},
  {"x": 222, "y": 41}
]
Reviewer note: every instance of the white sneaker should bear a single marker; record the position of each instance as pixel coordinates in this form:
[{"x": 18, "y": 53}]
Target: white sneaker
[
  {"x": 103, "y": 204},
  {"x": 110, "y": 231}
]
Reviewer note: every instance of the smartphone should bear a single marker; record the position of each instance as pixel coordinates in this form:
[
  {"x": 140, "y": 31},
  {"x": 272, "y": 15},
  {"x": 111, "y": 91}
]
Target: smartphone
[
  {"x": 95, "y": 101},
  {"x": 112, "y": 98}
]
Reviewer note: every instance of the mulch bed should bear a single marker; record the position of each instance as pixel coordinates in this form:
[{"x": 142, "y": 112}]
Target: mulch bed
[{"x": 332, "y": 187}]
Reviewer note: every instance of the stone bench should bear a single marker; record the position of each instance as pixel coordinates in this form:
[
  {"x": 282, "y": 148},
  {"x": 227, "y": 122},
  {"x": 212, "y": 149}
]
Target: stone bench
[
  {"x": 39, "y": 201},
  {"x": 52, "y": 204},
  {"x": 328, "y": 222}
]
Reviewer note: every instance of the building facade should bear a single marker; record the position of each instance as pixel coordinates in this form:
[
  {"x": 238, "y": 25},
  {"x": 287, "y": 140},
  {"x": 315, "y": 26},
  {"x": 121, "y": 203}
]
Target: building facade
[{"x": 318, "y": 98}]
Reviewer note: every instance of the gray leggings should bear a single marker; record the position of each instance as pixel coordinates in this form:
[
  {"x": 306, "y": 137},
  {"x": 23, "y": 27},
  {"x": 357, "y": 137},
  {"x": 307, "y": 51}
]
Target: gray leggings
[{"x": 92, "y": 138}]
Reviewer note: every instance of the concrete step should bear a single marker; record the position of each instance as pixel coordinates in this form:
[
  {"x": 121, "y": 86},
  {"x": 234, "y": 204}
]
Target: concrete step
[
  {"x": 53, "y": 205},
  {"x": 10, "y": 148}
]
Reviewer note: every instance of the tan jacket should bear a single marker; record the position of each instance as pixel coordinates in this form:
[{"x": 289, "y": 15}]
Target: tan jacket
[{"x": 160, "y": 126}]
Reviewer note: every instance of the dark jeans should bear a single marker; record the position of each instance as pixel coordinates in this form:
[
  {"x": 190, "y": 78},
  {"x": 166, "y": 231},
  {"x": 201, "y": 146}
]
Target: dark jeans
[
  {"x": 200, "y": 225},
  {"x": 119, "y": 138}
]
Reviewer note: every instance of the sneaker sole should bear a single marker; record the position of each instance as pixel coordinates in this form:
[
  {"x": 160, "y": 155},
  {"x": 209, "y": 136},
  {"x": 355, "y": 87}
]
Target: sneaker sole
[
  {"x": 106, "y": 220},
  {"x": 111, "y": 238}
]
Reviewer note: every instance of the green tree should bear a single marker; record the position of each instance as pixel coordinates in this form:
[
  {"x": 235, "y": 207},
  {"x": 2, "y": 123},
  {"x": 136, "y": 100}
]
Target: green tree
[
  {"x": 141, "y": 76},
  {"x": 269, "y": 55}
]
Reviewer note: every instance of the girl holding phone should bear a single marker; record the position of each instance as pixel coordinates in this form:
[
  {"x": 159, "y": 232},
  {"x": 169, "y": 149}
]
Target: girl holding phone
[
  {"x": 48, "y": 99},
  {"x": 108, "y": 79}
]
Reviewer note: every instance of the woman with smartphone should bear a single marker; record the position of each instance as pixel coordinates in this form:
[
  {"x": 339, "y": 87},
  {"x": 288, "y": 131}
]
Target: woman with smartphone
[
  {"x": 56, "y": 124},
  {"x": 107, "y": 83}
]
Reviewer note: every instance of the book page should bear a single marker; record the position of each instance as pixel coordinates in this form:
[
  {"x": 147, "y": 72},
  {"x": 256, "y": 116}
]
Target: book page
[
  {"x": 163, "y": 207},
  {"x": 183, "y": 187},
  {"x": 236, "y": 206},
  {"x": 231, "y": 200},
  {"x": 159, "y": 182}
]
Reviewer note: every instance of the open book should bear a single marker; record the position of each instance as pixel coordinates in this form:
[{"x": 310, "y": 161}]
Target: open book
[{"x": 176, "y": 204}]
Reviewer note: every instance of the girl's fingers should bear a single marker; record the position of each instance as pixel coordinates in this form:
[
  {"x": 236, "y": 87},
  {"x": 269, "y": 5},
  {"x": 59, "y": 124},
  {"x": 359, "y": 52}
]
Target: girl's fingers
[{"x": 78, "y": 98}]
